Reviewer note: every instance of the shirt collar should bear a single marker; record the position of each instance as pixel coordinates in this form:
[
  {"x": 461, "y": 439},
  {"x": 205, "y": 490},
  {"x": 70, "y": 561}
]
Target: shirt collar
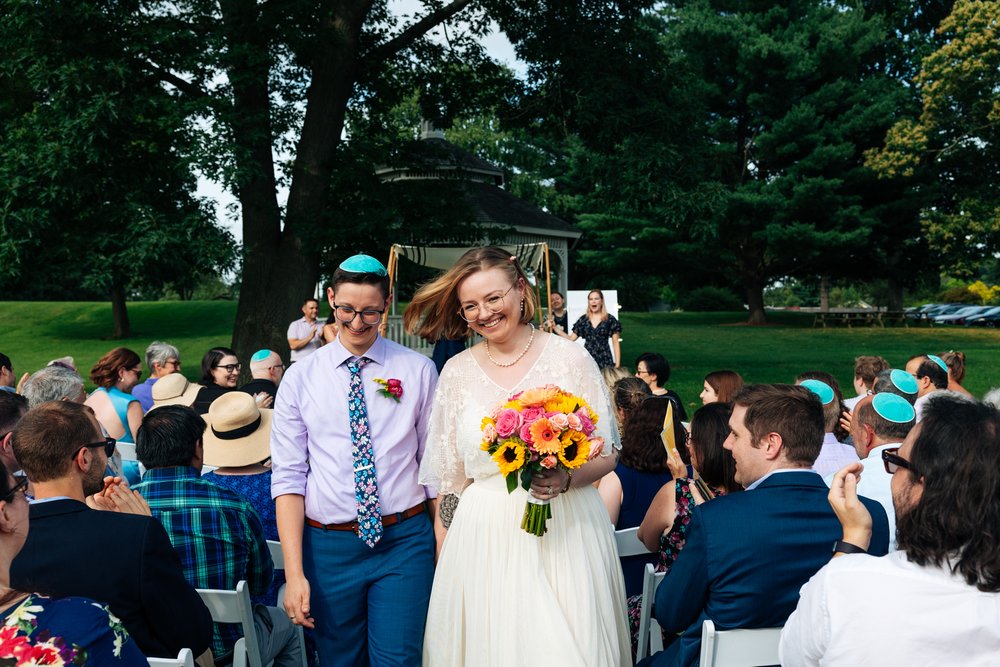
[
  {"x": 876, "y": 452},
  {"x": 776, "y": 472},
  {"x": 174, "y": 472},
  {"x": 376, "y": 352}
]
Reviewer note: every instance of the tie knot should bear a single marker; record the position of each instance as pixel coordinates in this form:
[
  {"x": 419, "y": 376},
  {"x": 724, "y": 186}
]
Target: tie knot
[{"x": 356, "y": 365}]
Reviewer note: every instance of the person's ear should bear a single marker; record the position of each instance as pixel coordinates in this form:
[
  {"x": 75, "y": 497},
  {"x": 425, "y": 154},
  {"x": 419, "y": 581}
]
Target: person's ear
[
  {"x": 81, "y": 460},
  {"x": 772, "y": 445},
  {"x": 7, "y": 523},
  {"x": 330, "y": 295}
]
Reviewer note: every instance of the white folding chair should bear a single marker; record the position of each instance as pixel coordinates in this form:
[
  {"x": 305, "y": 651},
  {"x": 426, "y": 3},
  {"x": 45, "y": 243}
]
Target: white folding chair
[
  {"x": 650, "y": 638},
  {"x": 235, "y": 607},
  {"x": 738, "y": 648},
  {"x": 628, "y": 544},
  {"x": 279, "y": 564},
  {"x": 184, "y": 659}
]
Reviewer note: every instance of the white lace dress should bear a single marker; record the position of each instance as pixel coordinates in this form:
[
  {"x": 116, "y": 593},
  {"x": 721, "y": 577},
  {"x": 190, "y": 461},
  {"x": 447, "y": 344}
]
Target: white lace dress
[{"x": 502, "y": 597}]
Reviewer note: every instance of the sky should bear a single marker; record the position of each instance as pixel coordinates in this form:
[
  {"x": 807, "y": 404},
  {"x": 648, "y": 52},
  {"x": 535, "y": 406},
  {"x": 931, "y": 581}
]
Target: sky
[{"x": 497, "y": 45}]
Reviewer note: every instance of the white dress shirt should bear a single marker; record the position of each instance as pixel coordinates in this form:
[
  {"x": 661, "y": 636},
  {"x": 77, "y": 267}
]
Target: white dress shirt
[
  {"x": 833, "y": 456},
  {"x": 875, "y": 484},
  {"x": 861, "y": 610}
]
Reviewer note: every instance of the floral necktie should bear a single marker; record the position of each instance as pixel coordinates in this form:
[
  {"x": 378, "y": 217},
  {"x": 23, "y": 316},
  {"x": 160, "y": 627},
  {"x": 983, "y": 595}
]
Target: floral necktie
[{"x": 365, "y": 484}]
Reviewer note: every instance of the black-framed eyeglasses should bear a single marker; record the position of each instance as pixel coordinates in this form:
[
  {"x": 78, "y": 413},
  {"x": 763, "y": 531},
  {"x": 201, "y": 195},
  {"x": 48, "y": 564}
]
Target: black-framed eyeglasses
[
  {"x": 231, "y": 368},
  {"x": 470, "y": 311},
  {"x": 108, "y": 444},
  {"x": 21, "y": 486},
  {"x": 893, "y": 461},
  {"x": 281, "y": 366},
  {"x": 346, "y": 314}
]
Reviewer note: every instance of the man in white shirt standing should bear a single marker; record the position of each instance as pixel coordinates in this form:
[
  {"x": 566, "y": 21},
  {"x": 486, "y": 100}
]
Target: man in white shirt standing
[
  {"x": 879, "y": 422},
  {"x": 305, "y": 333}
]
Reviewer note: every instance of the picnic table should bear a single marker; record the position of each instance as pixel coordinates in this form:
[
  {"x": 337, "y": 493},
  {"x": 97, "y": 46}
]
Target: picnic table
[{"x": 867, "y": 317}]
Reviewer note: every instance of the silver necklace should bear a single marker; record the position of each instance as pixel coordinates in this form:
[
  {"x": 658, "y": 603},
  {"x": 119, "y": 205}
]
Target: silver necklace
[{"x": 519, "y": 357}]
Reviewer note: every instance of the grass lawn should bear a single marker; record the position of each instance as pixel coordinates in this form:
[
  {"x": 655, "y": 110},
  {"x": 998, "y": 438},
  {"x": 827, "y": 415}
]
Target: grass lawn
[{"x": 695, "y": 343}]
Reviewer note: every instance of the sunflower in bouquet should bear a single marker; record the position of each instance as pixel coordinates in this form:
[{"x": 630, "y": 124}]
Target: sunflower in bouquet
[{"x": 544, "y": 428}]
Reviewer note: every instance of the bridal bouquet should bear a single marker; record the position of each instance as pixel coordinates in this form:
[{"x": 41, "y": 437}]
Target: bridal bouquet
[{"x": 539, "y": 429}]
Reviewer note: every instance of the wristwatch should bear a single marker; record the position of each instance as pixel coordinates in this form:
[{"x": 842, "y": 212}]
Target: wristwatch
[{"x": 840, "y": 546}]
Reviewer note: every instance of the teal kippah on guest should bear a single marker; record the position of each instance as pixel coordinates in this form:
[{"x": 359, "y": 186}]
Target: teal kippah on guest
[
  {"x": 893, "y": 408},
  {"x": 260, "y": 355},
  {"x": 363, "y": 264},
  {"x": 821, "y": 389},
  {"x": 903, "y": 381},
  {"x": 939, "y": 361}
]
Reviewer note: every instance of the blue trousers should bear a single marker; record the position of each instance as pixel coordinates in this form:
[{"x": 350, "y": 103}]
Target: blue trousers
[{"x": 370, "y": 604}]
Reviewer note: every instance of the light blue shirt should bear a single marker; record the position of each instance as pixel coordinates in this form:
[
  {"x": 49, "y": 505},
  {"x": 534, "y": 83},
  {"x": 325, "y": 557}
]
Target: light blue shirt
[
  {"x": 776, "y": 472},
  {"x": 311, "y": 449}
]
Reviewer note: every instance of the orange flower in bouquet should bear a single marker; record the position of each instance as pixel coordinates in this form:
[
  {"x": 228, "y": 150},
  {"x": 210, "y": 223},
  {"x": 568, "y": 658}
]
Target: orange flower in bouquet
[{"x": 544, "y": 428}]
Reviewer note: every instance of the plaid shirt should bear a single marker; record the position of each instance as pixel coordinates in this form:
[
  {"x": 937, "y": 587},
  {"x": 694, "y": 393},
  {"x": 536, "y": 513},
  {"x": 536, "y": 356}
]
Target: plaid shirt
[{"x": 216, "y": 533}]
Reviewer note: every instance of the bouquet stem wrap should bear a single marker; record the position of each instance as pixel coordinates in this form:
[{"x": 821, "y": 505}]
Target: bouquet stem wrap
[{"x": 536, "y": 516}]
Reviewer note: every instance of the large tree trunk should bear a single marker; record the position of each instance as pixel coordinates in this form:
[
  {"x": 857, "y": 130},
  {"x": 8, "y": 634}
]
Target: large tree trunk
[
  {"x": 119, "y": 311},
  {"x": 755, "y": 301},
  {"x": 824, "y": 294},
  {"x": 895, "y": 297}
]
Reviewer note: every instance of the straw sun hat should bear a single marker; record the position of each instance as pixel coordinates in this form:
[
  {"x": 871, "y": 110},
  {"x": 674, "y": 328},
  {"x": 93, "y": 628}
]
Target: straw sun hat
[
  {"x": 238, "y": 433},
  {"x": 174, "y": 389}
]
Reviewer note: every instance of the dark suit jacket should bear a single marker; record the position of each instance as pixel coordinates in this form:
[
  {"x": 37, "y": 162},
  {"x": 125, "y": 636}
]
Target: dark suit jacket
[
  {"x": 123, "y": 560},
  {"x": 746, "y": 557}
]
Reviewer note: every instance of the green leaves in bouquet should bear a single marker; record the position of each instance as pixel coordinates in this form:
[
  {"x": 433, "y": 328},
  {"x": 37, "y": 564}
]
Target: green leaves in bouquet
[
  {"x": 511, "y": 478},
  {"x": 526, "y": 473}
]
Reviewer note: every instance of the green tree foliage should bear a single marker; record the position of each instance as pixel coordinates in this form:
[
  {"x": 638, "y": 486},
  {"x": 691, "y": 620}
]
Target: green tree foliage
[
  {"x": 97, "y": 189},
  {"x": 956, "y": 137}
]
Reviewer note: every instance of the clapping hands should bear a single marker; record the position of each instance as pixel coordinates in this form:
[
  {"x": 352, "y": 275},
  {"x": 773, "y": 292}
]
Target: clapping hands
[{"x": 117, "y": 497}]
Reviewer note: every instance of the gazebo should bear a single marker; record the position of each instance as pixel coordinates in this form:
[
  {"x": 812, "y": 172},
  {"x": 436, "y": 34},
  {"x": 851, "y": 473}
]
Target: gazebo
[{"x": 491, "y": 205}]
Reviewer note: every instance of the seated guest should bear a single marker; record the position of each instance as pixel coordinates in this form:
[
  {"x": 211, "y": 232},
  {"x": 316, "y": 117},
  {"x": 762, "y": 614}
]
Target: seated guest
[
  {"x": 220, "y": 373},
  {"x": 720, "y": 387},
  {"x": 834, "y": 454},
  {"x": 162, "y": 359},
  {"x": 216, "y": 533},
  {"x": 641, "y": 471},
  {"x": 866, "y": 367},
  {"x": 626, "y": 395},
  {"x": 664, "y": 528},
  {"x": 174, "y": 389},
  {"x": 932, "y": 376},
  {"x": 266, "y": 369},
  {"x": 748, "y": 554},
  {"x": 653, "y": 369},
  {"x": 39, "y": 630},
  {"x": 12, "y": 408},
  {"x": 8, "y": 381},
  {"x": 60, "y": 447},
  {"x": 936, "y": 601},
  {"x": 895, "y": 381},
  {"x": 879, "y": 422},
  {"x": 956, "y": 371},
  {"x": 117, "y": 410},
  {"x": 612, "y": 374},
  {"x": 54, "y": 383}
]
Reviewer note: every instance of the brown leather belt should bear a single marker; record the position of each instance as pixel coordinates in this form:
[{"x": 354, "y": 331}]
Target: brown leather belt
[{"x": 387, "y": 520}]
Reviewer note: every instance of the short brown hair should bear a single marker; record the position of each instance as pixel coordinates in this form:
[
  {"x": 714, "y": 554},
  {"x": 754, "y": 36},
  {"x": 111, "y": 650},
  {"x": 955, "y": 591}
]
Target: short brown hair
[
  {"x": 48, "y": 435},
  {"x": 433, "y": 311},
  {"x": 791, "y": 411},
  {"x": 867, "y": 367},
  {"x": 886, "y": 430},
  {"x": 105, "y": 371},
  {"x": 956, "y": 364}
]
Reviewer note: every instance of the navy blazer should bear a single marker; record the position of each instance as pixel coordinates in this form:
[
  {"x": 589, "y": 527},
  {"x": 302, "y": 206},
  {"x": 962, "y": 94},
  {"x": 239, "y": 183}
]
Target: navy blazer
[
  {"x": 123, "y": 560},
  {"x": 746, "y": 557}
]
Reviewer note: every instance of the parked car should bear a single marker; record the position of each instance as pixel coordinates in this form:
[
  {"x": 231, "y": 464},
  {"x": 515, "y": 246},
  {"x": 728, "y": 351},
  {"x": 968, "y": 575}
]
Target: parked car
[
  {"x": 975, "y": 320},
  {"x": 958, "y": 316}
]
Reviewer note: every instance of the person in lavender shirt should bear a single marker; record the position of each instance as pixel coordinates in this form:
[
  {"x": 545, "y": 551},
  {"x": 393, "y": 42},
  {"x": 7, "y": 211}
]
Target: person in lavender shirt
[
  {"x": 358, "y": 551},
  {"x": 305, "y": 334}
]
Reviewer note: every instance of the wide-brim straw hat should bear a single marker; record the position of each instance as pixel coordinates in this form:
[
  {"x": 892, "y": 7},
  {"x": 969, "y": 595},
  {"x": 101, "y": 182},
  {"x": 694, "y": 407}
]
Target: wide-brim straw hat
[
  {"x": 174, "y": 389},
  {"x": 238, "y": 433}
]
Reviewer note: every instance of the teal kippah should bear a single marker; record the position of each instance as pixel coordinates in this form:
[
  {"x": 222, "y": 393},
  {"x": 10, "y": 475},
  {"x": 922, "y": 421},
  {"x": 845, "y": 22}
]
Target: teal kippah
[
  {"x": 260, "y": 355},
  {"x": 821, "y": 389},
  {"x": 893, "y": 408},
  {"x": 939, "y": 361},
  {"x": 903, "y": 381},
  {"x": 363, "y": 264}
]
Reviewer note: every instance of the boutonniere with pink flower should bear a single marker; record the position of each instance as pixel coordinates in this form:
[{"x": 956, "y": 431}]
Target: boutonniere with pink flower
[{"x": 391, "y": 388}]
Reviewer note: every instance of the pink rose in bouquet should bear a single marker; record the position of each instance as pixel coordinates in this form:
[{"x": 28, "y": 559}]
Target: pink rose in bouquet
[{"x": 508, "y": 423}]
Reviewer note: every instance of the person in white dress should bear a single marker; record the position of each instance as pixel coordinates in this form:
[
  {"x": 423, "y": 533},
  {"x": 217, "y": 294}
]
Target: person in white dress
[{"x": 501, "y": 596}]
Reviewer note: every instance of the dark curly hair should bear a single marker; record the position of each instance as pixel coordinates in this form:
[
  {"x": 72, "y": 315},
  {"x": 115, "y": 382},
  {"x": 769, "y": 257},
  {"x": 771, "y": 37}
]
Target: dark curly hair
[
  {"x": 956, "y": 457},
  {"x": 642, "y": 447},
  {"x": 709, "y": 429},
  {"x": 628, "y": 393}
]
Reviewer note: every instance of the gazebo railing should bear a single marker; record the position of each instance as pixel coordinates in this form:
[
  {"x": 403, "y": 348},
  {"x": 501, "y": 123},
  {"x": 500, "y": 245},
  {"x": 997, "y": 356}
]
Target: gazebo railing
[{"x": 395, "y": 332}]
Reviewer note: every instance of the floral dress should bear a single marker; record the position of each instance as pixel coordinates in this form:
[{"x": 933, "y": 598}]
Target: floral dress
[
  {"x": 68, "y": 631},
  {"x": 670, "y": 546},
  {"x": 597, "y": 338}
]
